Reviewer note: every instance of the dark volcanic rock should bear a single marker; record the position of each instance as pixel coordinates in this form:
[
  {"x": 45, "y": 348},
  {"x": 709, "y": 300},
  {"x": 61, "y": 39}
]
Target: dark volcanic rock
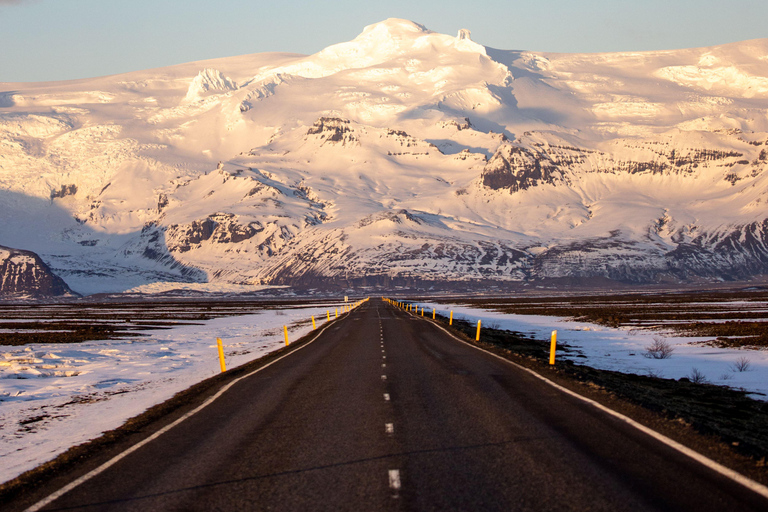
[
  {"x": 23, "y": 273},
  {"x": 516, "y": 168},
  {"x": 334, "y": 130}
]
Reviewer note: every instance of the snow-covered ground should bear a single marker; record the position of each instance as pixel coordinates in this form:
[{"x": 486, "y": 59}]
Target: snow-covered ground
[
  {"x": 623, "y": 349},
  {"x": 55, "y": 396}
]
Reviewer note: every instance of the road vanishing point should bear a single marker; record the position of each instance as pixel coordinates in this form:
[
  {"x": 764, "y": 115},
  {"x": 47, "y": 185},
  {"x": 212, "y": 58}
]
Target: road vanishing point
[{"x": 384, "y": 410}]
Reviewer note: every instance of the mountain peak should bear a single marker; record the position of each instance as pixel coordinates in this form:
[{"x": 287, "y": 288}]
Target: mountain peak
[
  {"x": 464, "y": 34},
  {"x": 394, "y": 28},
  {"x": 206, "y": 81},
  {"x": 384, "y": 41}
]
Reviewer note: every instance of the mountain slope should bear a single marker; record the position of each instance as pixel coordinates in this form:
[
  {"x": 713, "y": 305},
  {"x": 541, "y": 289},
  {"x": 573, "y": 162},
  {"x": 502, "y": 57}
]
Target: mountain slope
[{"x": 400, "y": 156}]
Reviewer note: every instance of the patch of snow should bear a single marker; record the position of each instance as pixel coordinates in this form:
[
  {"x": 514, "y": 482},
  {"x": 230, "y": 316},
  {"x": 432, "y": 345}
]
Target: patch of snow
[
  {"x": 217, "y": 287},
  {"x": 55, "y": 396},
  {"x": 622, "y": 349},
  {"x": 721, "y": 80}
]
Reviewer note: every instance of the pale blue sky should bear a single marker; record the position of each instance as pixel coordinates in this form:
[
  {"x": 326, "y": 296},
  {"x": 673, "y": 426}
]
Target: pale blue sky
[{"x": 66, "y": 39}]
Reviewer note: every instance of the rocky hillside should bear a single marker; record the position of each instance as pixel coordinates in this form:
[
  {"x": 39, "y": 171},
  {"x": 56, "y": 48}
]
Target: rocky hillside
[{"x": 23, "y": 274}]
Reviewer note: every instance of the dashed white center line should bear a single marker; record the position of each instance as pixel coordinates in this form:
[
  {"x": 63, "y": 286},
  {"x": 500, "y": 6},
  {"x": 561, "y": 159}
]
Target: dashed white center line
[
  {"x": 383, "y": 377},
  {"x": 394, "y": 479},
  {"x": 383, "y": 365},
  {"x": 389, "y": 428},
  {"x": 386, "y": 397}
]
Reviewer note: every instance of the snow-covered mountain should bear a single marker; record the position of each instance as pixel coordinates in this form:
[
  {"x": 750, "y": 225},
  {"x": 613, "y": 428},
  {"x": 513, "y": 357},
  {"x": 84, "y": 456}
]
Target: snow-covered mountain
[{"x": 401, "y": 156}]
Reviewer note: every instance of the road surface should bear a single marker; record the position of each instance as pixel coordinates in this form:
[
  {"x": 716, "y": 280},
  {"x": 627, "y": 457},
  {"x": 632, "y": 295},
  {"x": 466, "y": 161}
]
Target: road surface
[{"x": 385, "y": 411}]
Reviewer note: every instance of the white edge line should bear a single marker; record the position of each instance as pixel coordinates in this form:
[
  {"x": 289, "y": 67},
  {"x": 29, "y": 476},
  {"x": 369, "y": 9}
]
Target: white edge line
[
  {"x": 706, "y": 461},
  {"x": 394, "y": 479},
  {"x": 61, "y": 492}
]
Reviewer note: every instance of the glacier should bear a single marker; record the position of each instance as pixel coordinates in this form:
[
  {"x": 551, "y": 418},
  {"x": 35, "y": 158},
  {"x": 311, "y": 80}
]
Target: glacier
[{"x": 403, "y": 157}]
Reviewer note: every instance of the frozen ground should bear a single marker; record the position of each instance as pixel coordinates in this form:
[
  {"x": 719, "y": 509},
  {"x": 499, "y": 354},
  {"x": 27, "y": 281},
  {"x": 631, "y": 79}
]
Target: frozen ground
[
  {"x": 623, "y": 349},
  {"x": 55, "y": 396}
]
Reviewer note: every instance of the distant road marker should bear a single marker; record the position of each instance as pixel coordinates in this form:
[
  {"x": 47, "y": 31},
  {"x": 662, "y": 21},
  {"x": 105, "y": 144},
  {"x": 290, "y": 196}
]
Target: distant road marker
[{"x": 394, "y": 479}]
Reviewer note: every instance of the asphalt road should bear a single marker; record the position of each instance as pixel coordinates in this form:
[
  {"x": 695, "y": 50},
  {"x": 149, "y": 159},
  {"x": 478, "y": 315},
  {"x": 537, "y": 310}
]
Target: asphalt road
[{"x": 384, "y": 411}]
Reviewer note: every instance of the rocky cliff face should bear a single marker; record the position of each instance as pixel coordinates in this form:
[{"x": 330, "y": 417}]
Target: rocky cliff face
[{"x": 24, "y": 274}]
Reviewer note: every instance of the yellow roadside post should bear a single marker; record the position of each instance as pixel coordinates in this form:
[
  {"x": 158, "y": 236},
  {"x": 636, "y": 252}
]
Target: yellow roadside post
[
  {"x": 327, "y": 312},
  {"x": 313, "y": 323},
  {"x": 285, "y": 331},
  {"x": 422, "y": 310},
  {"x": 221, "y": 355},
  {"x": 450, "y": 320},
  {"x": 337, "y": 312},
  {"x": 552, "y": 347},
  {"x": 477, "y": 338},
  {"x": 433, "y": 313}
]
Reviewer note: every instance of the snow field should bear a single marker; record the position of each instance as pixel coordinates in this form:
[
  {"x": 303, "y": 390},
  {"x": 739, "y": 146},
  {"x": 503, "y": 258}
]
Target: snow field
[
  {"x": 624, "y": 349},
  {"x": 56, "y": 396},
  {"x": 86, "y": 165}
]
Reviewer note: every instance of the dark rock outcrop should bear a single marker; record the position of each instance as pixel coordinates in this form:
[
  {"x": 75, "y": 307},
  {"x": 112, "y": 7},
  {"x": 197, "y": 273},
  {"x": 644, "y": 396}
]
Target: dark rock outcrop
[
  {"x": 333, "y": 130},
  {"x": 517, "y": 168},
  {"x": 24, "y": 274}
]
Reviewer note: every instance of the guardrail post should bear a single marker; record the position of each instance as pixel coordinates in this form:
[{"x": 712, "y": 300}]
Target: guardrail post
[
  {"x": 221, "y": 355},
  {"x": 552, "y": 347}
]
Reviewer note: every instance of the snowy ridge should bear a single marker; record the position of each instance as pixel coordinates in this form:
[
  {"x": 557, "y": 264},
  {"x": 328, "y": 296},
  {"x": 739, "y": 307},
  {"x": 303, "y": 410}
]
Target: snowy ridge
[
  {"x": 401, "y": 156},
  {"x": 208, "y": 80}
]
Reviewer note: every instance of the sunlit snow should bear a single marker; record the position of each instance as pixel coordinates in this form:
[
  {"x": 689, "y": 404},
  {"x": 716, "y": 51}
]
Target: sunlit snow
[{"x": 111, "y": 180}]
